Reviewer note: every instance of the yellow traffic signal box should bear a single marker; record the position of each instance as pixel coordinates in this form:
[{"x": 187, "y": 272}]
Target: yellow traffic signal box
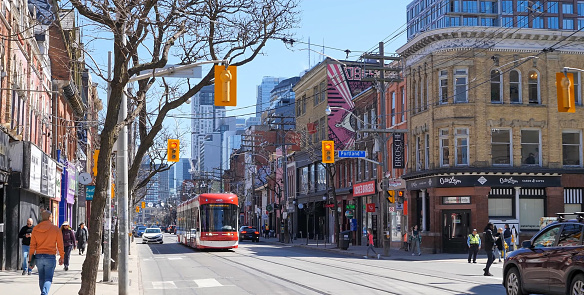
[
  {"x": 391, "y": 196},
  {"x": 95, "y": 156},
  {"x": 328, "y": 151},
  {"x": 143, "y": 205},
  {"x": 173, "y": 149},
  {"x": 137, "y": 209},
  {"x": 226, "y": 86},
  {"x": 565, "y": 91}
]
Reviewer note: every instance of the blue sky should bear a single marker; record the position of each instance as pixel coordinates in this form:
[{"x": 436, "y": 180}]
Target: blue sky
[{"x": 341, "y": 24}]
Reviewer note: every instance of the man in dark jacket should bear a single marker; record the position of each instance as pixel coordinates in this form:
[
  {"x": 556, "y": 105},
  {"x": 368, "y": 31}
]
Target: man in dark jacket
[
  {"x": 81, "y": 237},
  {"x": 489, "y": 247},
  {"x": 24, "y": 234}
]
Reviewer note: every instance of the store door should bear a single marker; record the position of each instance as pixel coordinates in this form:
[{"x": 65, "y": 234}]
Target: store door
[{"x": 455, "y": 230}]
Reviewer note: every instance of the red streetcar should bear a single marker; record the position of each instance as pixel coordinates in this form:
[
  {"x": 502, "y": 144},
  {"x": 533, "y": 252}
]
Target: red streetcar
[{"x": 209, "y": 221}]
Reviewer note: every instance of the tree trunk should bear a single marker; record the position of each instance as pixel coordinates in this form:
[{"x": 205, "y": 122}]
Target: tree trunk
[{"x": 115, "y": 245}]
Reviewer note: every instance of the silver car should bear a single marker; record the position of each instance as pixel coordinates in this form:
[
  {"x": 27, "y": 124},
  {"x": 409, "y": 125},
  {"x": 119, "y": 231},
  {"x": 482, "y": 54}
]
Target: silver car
[{"x": 152, "y": 235}]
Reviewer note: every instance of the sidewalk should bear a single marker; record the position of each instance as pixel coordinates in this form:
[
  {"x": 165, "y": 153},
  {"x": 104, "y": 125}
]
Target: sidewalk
[
  {"x": 69, "y": 282},
  {"x": 360, "y": 251}
]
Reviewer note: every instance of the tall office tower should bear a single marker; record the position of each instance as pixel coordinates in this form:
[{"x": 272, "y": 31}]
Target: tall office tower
[
  {"x": 171, "y": 182},
  {"x": 263, "y": 94},
  {"x": 282, "y": 112},
  {"x": 163, "y": 184},
  {"x": 182, "y": 172},
  {"x": 206, "y": 119},
  {"x": 253, "y": 121}
]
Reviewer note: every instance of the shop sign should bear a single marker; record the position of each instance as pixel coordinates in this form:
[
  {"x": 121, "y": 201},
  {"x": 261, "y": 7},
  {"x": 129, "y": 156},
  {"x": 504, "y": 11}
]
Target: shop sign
[
  {"x": 350, "y": 206},
  {"x": 364, "y": 188},
  {"x": 51, "y": 178},
  {"x": 34, "y": 183},
  {"x": 81, "y": 199},
  {"x": 398, "y": 151},
  {"x": 71, "y": 183},
  {"x": 371, "y": 207},
  {"x": 455, "y": 200},
  {"x": 484, "y": 180},
  {"x": 89, "y": 191},
  {"x": 349, "y": 213}
]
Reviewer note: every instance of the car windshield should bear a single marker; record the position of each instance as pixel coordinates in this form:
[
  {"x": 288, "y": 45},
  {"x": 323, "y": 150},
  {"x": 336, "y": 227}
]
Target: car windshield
[
  {"x": 152, "y": 230},
  {"x": 141, "y": 227},
  {"x": 249, "y": 229}
]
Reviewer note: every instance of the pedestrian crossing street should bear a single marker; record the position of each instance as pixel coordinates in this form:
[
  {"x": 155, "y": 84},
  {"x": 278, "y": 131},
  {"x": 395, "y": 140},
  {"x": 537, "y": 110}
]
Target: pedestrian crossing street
[{"x": 201, "y": 283}]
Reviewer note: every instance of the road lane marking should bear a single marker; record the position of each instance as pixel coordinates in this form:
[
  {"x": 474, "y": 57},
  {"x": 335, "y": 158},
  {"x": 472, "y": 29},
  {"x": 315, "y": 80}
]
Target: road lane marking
[
  {"x": 164, "y": 285},
  {"x": 208, "y": 283},
  {"x": 174, "y": 258}
]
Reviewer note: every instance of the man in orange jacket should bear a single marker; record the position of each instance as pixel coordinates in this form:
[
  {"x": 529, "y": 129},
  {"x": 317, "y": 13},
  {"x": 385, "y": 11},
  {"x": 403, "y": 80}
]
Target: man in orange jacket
[{"x": 45, "y": 241}]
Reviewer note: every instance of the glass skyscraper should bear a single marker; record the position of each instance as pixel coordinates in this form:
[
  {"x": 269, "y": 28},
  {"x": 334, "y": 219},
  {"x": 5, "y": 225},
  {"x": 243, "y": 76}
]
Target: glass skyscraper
[{"x": 424, "y": 15}]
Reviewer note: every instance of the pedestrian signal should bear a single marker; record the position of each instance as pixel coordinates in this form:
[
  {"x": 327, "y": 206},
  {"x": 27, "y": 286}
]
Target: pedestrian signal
[
  {"x": 565, "y": 93},
  {"x": 173, "y": 148},
  {"x": 225, "y": 86},
  {"x": 328, "y": 151},
  {"x": 391, "y": 196}
]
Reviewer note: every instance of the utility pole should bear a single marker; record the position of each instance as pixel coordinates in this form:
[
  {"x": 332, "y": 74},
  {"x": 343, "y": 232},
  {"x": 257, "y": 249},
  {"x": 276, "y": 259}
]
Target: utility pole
[{"x": 122, "y": 188}]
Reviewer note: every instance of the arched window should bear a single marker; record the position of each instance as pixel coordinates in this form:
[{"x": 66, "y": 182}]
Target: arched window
[
  {"x": 533, "y": 87},
  {"x": 496, "y": 92},
  {"x": 515, "y": 86}
]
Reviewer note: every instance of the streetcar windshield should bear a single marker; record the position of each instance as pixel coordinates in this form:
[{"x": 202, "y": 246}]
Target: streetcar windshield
[{"x": 218, "y": 217}]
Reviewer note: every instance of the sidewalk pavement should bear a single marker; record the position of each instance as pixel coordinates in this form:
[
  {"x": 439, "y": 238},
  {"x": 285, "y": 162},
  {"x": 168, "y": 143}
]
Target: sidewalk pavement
[
  {"x": 69, "y": 282},
  {"x": 360, "y": 251}
]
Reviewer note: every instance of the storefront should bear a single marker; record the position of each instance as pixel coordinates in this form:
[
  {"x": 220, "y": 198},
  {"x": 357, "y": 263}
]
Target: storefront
[
  {"x": 28, "y": 192},
  {"x": 364, "y": 211},
  {"x": 4, "y": 176},
  {"x": 69, "y": 188},
  {"x": 449, "y": 207}
]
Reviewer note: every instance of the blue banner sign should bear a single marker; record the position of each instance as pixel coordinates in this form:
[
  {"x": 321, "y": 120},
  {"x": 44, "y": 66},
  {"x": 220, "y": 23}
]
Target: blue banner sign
[
  {"x": 89, "y": 190},
  {"x": 351, "y": 154}
]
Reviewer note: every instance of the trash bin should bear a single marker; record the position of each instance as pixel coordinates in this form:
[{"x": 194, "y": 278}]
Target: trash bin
[{"x": 344, "y": 239}]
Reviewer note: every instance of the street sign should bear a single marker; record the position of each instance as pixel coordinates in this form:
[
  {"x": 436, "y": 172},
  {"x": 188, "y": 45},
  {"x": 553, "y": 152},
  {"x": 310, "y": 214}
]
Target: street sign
[
  {"x": 391, "y": 209},
  {"x": 399, "y": 206},
  {"x": 351, "y": 154}
]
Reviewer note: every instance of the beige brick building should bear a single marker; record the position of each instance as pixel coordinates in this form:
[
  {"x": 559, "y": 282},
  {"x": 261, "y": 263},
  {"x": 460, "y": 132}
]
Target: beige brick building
[{"x": 486, "y": 140}]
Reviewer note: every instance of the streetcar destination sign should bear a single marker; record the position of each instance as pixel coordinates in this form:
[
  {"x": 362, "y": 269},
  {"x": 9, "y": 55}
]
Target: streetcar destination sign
[{"x": 351, "y": 154}]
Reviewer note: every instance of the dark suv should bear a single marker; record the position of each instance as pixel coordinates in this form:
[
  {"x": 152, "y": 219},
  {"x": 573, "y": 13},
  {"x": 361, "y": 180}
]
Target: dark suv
[
  {"x": 249, "y": 233},
  {"x": 552, "y": 262}
]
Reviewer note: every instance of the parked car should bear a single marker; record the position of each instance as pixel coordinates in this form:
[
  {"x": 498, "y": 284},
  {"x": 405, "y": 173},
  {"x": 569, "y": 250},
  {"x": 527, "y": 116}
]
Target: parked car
[
  {"x": 172, "y": 229},
  {"x": 249, "y": 233},
  {"x": 140, "y": 230},
  {"x": 552, "y": 262},
  {"x": 152, "y": 235}
]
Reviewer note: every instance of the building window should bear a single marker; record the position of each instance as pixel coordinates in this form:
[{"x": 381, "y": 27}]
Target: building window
[
  {"x": 553, "y": 22},
  {"x": 577, "y": 94},
  {"x": 488, "y": 7},
  {"x": 533, "y": 87},
  {"x": 531, "y": 208},
  {"x": 444, "y": 148},
  {"x": 501, "y": 147},
  {"x": 502, "y": 203},
  {"x": 507, "y": 7},
  {"x": 403, "y": 104},
  {"x": 392, "y": 108},
  {"x": 515, "y": 86},
  {"x": 568, "y": 24},
  {"x": 537, "y": 22},
  {"x": 580, "y": 8},
  {"x": 469, "y": 6},
  {"x": 522, "y": 22},
  {"x": 461, "y": 86},
  {"x": 496, "y": 87},
  {"x": 536, "y": 6},
  {"x": 552, "y": 7},
  {"x": 507, "y": 22},
  {"x": 443, "y": 86},
  {"x": 571, "y": 148},
  {"x": 322, "y": 91},
  {"x": 461, "y": 148},
  {"x": 522, "y": 6},
  {"x": 567, "y": 8},
  {"x": 427, "y": 152},
  {"x": 580, "y": 23},
  {"x": 530, "y": 147},
  {"x": 419, "y": 153},
  {"x": 316, "y": 94},
  {"x": 470, "y": 21}
]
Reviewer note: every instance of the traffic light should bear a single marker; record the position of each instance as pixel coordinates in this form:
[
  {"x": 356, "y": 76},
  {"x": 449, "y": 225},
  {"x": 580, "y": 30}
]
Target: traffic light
[
  {"x": 400, "y": 196},
  {"x": 143, "y": 205},
  {"x": 565, "y": 91},
  {"x": 95, "y": 156},
  {"x": 328, "y": 151},
  {"x": 226, "y": 86},
  {"x": 137, "y": 209},
  {"x": 173, "y": 149},
  {"x": 391, "y": 196}
]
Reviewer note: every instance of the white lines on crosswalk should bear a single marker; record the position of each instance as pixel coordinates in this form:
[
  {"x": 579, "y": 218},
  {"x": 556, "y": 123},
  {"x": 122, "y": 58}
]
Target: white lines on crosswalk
[
  {"x": 164, "y": 285},
  {"x": 208, "y": 283}
]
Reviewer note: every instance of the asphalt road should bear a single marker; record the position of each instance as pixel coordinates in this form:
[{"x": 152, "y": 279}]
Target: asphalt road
[{"x": 261, "y": 268}]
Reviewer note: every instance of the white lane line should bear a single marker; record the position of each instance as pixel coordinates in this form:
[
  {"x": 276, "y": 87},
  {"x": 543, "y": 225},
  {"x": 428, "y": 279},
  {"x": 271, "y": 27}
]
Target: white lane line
[
  {"x": 174, "y": 258},
  {"x": 164, "y": 285},
  {"x": 208, "y": 283}
]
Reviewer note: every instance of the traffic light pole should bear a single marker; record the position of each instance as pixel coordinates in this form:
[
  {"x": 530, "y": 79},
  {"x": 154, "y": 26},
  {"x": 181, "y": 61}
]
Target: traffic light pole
[{"x": 385, "y": 222}]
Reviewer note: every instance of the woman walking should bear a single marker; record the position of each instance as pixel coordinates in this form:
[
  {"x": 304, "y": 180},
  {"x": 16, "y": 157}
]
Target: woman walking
[
  {"x": 416, "y": 240},
  {"x": 68, "y": 242},
  {"x": 81, "y": 237},
  {"x": 370, "y": 244}
]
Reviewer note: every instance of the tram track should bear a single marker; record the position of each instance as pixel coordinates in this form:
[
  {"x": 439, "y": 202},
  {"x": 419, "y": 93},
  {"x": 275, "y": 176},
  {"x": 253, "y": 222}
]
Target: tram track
[{"x": 357, "y": 272}]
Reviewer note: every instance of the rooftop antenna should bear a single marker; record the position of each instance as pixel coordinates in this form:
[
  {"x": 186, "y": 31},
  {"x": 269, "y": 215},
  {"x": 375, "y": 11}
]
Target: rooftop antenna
[
  {"x": 309, "y": 64},
  {"x": 322, "y": 57}
]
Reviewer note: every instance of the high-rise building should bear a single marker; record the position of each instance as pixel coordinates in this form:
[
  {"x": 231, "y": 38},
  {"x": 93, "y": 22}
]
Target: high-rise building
[
  {"x": 164, "y": 184},
  {"x": 182, "y": 172},
  {"x": 282, "y": 105},
  {"x": 426, "y": 15},
  {"x": 206, "y": 119},
  {"x": 263, "y": 94}
]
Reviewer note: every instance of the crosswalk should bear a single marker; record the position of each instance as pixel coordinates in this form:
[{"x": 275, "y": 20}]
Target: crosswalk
[{"x": 200, "y": 283}]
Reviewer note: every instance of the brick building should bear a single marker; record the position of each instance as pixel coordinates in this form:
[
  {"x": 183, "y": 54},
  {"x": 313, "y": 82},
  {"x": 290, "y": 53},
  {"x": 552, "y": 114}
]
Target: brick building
[{"x": 487, "y": 142}]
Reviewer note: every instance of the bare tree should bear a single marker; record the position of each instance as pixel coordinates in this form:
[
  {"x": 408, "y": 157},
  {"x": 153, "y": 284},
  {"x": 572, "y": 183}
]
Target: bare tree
[{"x": 145, "y": 33}]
